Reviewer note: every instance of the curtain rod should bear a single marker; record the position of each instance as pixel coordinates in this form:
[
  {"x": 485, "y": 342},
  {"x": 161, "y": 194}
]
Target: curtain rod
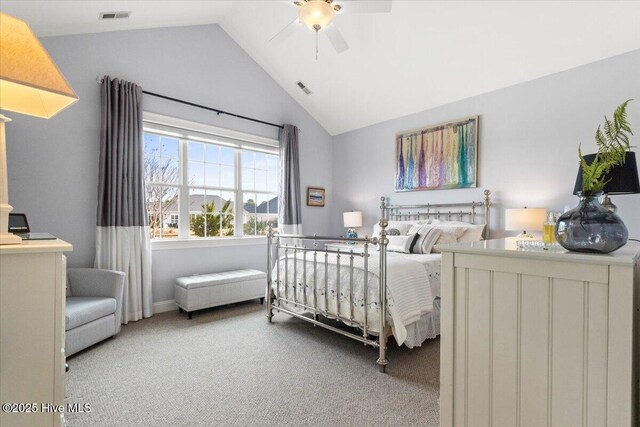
[{"x": 215, "y": 110}]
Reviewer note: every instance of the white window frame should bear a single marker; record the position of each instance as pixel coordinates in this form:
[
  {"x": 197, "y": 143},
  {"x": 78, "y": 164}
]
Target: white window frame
[{"x": 194, "y": 131}]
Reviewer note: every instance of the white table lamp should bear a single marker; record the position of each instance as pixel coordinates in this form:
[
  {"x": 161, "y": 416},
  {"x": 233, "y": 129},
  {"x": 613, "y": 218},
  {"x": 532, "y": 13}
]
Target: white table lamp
[
  {"x": 30, "y": 83},
  {"x": 352, "y": 220},
  {"x": 525, "y": 220}
]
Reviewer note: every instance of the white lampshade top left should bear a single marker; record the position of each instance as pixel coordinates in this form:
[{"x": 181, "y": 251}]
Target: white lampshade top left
[{"x": 30, "y": 82}]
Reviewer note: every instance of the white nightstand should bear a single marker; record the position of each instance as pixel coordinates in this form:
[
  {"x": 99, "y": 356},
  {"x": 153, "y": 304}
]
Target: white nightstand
[{"x": 345, "y": 247}]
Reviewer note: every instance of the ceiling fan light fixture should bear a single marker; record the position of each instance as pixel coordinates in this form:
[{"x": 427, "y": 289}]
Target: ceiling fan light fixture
[{"x": 316, "y": 14}]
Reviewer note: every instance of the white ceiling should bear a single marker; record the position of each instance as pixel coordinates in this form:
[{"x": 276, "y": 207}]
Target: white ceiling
[{"x": 421, "y": 55}]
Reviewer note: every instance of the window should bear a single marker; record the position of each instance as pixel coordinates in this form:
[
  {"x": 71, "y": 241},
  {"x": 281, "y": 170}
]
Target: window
[{"x": 207, "y": 185}]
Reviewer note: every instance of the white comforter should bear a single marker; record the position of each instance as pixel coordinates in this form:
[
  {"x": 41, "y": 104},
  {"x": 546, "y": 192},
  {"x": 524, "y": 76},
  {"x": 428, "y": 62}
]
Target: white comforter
[{"x": 409, "y": 294}]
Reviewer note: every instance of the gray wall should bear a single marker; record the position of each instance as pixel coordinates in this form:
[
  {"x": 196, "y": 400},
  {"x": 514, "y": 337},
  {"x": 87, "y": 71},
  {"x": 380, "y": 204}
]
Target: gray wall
[
  {"x": 528, "y": 142},
  {"x": 52, "y": 164}
]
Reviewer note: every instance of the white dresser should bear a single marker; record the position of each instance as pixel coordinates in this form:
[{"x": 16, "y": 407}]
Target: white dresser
[
  {"x": 539, "y": 338},
  {"x": 32, "y": 318}
]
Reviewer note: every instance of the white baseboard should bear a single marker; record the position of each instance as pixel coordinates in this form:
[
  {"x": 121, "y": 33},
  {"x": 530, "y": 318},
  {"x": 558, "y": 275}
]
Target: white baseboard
[{"x": 163, "y": 306}]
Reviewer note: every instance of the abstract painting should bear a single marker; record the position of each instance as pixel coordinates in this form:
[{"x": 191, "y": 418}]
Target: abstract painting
[{"x": 438, "y": 157}]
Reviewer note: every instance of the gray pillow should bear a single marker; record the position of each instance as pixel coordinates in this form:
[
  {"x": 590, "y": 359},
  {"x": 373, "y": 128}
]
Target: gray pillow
[{"x": 393, "y": 232}]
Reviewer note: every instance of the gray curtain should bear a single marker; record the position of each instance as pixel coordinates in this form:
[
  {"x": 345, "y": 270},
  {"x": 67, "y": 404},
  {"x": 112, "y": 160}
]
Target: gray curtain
[
  {"x": 122, "y": 232},
  {"x": 290, "y": 209}
]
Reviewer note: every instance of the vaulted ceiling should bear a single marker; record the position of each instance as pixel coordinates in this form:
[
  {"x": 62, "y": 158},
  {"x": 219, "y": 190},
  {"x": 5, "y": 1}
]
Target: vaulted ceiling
[{"x": 420, "y": 55}]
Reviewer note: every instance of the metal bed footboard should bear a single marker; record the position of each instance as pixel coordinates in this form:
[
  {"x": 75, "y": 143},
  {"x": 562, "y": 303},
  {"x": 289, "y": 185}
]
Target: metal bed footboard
[{"x": 287, "y": 245}]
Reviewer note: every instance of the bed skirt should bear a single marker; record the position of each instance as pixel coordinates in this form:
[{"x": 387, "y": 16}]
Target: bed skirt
[{"x": 427, "y": 327}]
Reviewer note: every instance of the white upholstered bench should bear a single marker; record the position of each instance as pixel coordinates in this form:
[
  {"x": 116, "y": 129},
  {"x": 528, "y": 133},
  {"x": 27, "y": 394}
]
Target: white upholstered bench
[{"x": 210, "y": 290}]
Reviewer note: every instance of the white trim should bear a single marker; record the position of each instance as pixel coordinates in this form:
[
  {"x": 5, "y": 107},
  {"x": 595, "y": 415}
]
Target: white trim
[
  {"x": 208, "y": 129},
  {"x": 167, "y": 244},
  {"x": 164, "y": 306}
]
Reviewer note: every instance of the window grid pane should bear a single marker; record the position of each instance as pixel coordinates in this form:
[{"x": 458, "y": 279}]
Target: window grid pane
[
  {"x": 260, "y": 210},
  {"x": 211, "y": 213},
  {"x": 161, "y": 159},
  {"x": 163, "y": 208}
]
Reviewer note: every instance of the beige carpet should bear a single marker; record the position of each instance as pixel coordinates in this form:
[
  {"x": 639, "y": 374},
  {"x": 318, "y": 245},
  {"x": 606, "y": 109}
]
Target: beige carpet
[{"x": 229, "y": 367}]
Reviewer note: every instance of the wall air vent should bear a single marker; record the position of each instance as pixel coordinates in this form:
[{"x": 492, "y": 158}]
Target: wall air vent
[
  {"x": 114, "y": 15},
  {"x": 304, "y": 88}
]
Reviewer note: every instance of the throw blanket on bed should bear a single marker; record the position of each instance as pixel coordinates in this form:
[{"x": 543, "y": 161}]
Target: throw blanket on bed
[{"x": 408, "y": 289}]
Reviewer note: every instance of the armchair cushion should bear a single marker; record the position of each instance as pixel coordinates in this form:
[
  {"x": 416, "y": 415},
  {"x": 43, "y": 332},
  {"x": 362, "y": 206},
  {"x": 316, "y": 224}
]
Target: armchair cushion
[
  {"x": 82, "y": 310},
  {"x": 94, "y": 282}
]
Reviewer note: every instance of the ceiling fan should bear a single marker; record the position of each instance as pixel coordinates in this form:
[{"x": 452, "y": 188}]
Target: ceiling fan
[{"x": 318, "y": 15}]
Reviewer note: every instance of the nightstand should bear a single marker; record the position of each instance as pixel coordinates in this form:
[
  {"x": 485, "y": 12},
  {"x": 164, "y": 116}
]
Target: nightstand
[{"x": 345, "y": 247}]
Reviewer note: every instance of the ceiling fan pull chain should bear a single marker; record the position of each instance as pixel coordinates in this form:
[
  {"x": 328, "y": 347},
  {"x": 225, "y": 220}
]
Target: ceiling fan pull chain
[{"x": 316, "y": 45}]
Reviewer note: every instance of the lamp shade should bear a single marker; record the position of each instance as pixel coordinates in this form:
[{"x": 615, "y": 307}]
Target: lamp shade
[
  {"x": 30, "y": 82},
  {"x": 528, "y": 219},
  {"x": 621, "y": 179},
  {"x": 352, "y": 219}
]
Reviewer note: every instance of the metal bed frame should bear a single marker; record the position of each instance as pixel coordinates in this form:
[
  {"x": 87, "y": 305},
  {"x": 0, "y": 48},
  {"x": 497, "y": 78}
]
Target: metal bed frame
[{"x": 296, "y": 294}]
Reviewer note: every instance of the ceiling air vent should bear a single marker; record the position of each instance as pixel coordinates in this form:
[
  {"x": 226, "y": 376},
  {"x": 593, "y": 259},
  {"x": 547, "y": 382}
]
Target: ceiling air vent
[
  {"x": 304, "y": 88},
  {"x": 114, "y": 15}
]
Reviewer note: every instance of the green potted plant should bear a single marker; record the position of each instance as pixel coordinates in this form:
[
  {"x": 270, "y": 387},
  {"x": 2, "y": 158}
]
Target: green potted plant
[{"x": 590, "y": 227}]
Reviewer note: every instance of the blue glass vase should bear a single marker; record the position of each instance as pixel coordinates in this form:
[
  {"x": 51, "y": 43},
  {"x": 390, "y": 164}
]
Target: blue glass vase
[{"x": 591, "y": 228}]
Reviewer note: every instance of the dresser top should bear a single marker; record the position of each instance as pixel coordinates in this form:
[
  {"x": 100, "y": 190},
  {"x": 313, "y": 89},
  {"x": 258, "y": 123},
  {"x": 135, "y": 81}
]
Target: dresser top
[
  {"x": 629, "y": 254},
  {"x": 36, "y": 246}
]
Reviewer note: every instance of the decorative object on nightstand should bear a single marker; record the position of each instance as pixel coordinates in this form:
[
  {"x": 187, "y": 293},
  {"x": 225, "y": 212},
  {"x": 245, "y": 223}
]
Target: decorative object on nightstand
[
  {"x": 351, "y": 221},
  {"x": 525, "y": 220},
  {"x": 592, "y": 227},
  {"x": 30, "y": 83},
  {"x": 549, "y": 228}
]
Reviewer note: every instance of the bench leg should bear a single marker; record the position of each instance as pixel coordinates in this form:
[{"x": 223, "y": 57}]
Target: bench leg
[
  {"x": 179, "y": 309},
  {"x": 262, "y": 300},
  {"x": 190, "y": 313}
]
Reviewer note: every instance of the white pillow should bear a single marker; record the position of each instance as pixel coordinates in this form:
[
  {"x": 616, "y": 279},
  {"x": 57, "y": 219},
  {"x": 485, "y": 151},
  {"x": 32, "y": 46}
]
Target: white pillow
[
  {"x": 456, "y": 230},
  {"x": 448, "y": 236},
  {"x": 472, "y": 232},
  {"x": 428, "y": 236},
  {"x": 402, "y": 226},
  {"x": 400, "y": 244}
]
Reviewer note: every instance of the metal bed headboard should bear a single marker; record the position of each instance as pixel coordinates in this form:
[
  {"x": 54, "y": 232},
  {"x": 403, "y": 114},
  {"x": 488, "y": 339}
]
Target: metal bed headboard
[{"x": 466, "y": 212}]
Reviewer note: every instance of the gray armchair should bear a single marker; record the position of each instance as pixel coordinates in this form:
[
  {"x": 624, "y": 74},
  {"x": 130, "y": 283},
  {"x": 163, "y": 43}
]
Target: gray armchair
[{"x": 94, "y": 307}]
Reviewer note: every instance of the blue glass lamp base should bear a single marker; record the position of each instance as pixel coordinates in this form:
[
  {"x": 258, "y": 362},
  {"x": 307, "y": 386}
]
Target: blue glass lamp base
[{"x": 352, "y": 234}]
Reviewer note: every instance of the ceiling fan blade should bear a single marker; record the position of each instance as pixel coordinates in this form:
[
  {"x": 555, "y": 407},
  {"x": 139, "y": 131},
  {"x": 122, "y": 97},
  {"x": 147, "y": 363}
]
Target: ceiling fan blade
[
  {"x": 335, "y": 37},
  {"x": 365, "y": 6},
  {"x": 286, "y": 32}
]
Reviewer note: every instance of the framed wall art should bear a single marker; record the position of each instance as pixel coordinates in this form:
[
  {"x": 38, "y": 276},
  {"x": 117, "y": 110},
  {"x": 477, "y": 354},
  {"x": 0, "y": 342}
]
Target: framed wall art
[
  {"x": 315, "y": 196},
  {"x": 439, "y": 157}
]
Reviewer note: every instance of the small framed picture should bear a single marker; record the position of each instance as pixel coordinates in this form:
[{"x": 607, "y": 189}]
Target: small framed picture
[{"x": 315, "y": 196}]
